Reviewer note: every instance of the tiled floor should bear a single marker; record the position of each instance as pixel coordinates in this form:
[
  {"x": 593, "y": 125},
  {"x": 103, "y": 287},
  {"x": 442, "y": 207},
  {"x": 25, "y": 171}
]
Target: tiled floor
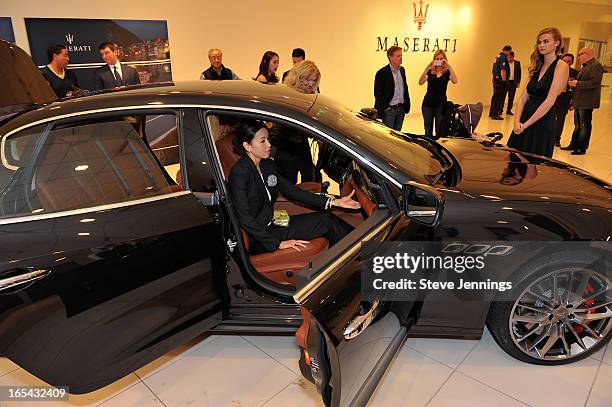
[{"x": 263, "y": 371}]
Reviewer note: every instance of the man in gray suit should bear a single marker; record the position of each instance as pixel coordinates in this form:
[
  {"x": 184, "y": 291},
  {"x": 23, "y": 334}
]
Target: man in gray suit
[
  {"x": 114, "y": 73},
  {"x": 587, "y": 96}
]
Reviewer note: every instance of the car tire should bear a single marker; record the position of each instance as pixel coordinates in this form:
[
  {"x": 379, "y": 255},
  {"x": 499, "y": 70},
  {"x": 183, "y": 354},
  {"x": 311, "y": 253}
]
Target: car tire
[{"x": 506, "y": 319}]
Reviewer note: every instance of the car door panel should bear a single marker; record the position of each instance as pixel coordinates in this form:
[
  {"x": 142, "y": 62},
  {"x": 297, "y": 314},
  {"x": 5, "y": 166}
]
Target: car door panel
[
  {"x": 358, "y": 345},
  {"x": 124, "y": 288}
]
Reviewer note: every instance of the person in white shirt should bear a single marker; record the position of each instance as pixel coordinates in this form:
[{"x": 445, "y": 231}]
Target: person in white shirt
[
  {"x": 514, "y": 81},
  {"x": 391, "y": 98},
  {"x": 114, "y": 74}
]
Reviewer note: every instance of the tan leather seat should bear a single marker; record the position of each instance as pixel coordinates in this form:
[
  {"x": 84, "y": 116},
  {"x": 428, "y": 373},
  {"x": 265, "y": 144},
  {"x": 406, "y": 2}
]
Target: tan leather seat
[
  {"x": 227, "y": 155},
  {"x": 281, "y": 266},
  {"x": 179, "y": 182}
]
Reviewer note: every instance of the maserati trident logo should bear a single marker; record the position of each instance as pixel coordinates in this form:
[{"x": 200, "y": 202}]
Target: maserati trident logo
[
  {"x": 420, "y": 16},
  {"x": 76, "y": 47}
]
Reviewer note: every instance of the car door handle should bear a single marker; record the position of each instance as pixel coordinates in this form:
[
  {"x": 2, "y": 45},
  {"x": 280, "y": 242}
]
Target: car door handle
[
  {"x": 27, "y": 277},
  {"x": 360, "y": 322},
  {"x": 207, "y": 198}
]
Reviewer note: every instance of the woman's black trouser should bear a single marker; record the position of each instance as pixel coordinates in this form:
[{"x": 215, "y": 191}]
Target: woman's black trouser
[{"x": 308, "y": 226}]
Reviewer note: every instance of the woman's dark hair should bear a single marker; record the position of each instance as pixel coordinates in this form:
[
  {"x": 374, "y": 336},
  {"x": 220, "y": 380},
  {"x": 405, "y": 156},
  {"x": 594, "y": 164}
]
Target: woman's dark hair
[
  {"x": 569, "y": 55},
  {"x": 298, "y": 53},
  {"x": 54, "y": 50},
  {"x": 245, "y": 132},
  {"x": 264, "y": 67}
]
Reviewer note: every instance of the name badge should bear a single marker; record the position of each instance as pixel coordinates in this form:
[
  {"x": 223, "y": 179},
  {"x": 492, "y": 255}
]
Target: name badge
[{"x": 272, "y": 180}]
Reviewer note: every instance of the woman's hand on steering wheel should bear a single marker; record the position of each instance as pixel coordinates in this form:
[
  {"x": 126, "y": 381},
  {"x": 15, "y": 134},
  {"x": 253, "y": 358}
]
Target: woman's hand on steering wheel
[
  {"x": 293, "y": 244},
  {"x": 347, "y": 202}
]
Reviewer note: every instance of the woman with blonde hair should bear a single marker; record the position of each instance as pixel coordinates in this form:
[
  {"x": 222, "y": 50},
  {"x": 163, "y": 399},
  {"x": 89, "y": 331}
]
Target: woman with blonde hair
[
  {"x": 292, "y": 150},
  {"x": 534, "y": 123},
  {"x": 304, "y": 77},
  {"x": 437, "y": 74}
]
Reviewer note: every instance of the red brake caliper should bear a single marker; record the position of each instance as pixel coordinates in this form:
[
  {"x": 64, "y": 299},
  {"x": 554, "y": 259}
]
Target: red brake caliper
[{"x": 587, "y": 291}]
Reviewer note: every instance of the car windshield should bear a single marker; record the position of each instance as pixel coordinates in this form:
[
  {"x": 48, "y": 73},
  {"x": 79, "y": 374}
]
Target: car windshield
[{"x": 416, "y": 157}]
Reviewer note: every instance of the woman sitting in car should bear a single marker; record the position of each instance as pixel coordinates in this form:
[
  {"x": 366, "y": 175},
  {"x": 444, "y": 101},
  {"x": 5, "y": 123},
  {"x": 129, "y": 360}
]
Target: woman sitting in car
[{"x": 255, "y": 184}]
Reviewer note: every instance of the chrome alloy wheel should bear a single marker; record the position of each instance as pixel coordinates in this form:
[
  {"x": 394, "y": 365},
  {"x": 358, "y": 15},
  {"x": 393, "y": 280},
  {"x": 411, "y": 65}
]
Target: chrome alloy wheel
[{"x": 562, "y": 314}]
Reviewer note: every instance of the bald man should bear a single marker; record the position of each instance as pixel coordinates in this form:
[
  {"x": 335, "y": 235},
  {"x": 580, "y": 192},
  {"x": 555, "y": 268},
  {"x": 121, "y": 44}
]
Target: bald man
[
  {"x": 587, "y": 95},
  {"x": 217, "y": 72}
]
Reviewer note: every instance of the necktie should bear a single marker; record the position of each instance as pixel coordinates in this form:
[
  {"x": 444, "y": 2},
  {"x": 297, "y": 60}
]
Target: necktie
[{"x": 118, "y": 80}]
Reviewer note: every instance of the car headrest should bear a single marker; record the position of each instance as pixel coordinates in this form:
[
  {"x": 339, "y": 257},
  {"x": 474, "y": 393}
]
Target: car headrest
[{"x": 227, "y": 154}]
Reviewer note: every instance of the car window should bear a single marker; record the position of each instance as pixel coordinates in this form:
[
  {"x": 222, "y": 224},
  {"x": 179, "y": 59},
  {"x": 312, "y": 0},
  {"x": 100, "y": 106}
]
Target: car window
[
  {"x": 77, "y": 165},
  {"x": 411, "y": 157},
  {"x": 162, "y": 135}
]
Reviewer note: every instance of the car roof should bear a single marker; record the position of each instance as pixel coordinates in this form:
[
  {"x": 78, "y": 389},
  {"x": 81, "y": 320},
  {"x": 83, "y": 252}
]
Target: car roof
[{"x": 238, "y": 93}]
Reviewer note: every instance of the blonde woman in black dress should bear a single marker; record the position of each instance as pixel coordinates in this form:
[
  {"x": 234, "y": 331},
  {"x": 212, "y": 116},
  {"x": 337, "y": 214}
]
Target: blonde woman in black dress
[{"x": 534, "y": 123}]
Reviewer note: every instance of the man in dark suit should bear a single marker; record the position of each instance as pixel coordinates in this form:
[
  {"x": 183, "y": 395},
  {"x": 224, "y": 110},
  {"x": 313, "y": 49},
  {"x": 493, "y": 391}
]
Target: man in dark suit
[
  {"x": 587, "y": 96},
  {"x": 114, "y": 73},
  {"x": 391, "y": 90},
  {"x": 501, "y": 71},
  {"x": 514, "y": 80},
  {"x": 564, "y": 101}
]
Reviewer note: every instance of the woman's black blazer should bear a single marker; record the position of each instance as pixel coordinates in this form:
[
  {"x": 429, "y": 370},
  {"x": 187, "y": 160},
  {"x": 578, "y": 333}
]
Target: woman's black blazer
[{"x": 253, "y": 208}]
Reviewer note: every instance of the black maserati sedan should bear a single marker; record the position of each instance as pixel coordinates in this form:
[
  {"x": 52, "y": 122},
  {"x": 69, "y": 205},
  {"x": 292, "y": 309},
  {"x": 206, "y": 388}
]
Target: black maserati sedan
[{"x": 119, "y": 240}]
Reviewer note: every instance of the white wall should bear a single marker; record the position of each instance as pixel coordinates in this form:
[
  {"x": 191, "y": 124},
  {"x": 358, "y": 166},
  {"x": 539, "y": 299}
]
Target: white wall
[
  {"x": 595, "y": 31},
  {"x": 339, "y": 35}
]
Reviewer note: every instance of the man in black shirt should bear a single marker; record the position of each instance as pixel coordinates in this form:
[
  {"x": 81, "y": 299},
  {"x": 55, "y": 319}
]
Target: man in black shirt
[
  {"x": 298, "y": 55},
  {"x": 564, "y": 101},
  {"x": 501, "y": 72},
  {"x": 217, "y": 72},
  {"x": 62, "y": 81}
]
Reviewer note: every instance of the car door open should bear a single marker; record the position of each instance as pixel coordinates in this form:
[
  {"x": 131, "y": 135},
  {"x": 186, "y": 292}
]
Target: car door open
[
  {"x": 347, "y": 342},
  {"x": 104, "y": 266}
]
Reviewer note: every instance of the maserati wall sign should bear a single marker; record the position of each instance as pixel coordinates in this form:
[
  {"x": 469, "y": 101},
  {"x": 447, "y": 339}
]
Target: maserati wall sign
[
  {"x": 417, "y": 43},
  {"x": 420, "y": 16}
]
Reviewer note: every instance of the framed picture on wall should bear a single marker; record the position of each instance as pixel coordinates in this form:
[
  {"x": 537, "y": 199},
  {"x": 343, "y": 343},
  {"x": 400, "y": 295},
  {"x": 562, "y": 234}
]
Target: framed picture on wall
[
  {"x": 6, "y": 29},
  {"x": 142, "y": 44}
]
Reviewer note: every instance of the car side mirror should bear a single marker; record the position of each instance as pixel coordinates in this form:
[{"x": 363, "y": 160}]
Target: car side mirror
[
  {"x": 422, "y": 203},
  {"x": 370, "y": 112}
]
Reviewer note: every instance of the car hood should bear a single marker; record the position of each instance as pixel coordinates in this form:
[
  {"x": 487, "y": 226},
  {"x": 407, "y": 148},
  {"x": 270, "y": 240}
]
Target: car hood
[
  {"x": 22, "y": 83},
  {"x": 498, "y": 173}
]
